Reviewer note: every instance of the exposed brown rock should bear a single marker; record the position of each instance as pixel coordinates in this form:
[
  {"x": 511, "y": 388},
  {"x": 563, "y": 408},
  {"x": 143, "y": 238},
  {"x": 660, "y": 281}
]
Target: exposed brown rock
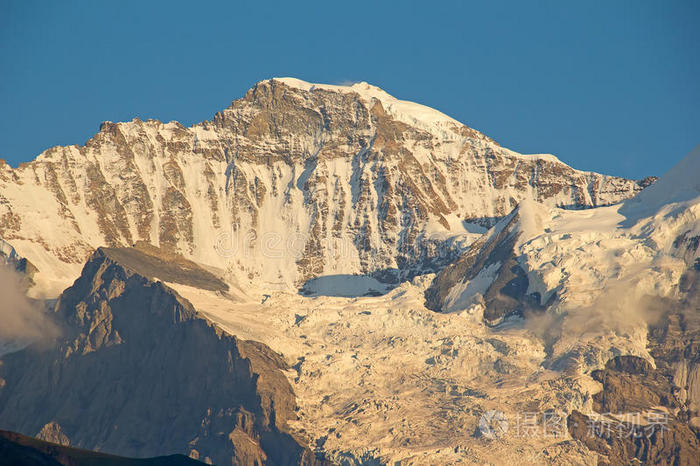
[{"x": 52, "y": 432}]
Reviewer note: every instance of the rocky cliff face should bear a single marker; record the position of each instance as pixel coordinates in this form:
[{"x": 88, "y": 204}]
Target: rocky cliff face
[
  {"x": 291, "y": 182},
  {"x": 138, "y": 372}
]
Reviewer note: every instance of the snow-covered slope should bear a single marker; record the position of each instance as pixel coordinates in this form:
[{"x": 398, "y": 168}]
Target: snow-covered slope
[
  {"x": 291, "y": 182},
  {"x": 383, "y": 380}
]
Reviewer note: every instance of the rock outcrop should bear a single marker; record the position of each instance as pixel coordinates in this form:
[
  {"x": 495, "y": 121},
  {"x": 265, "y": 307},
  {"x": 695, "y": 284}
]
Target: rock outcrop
[
  {"x": 138, "y": 372},
  {"x": 643, "y": 420},
  {"x": 489, "y": 274}
]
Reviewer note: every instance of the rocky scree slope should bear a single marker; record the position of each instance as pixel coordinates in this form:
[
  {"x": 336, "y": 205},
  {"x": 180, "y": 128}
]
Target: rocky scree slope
[
  {"x": 138, "y": 372},
  {"x": 291, "y": 182}
]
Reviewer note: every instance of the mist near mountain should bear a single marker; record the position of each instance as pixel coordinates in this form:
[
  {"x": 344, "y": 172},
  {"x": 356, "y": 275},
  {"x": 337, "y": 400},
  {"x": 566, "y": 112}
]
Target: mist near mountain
[{"x": 22, "y": 318}]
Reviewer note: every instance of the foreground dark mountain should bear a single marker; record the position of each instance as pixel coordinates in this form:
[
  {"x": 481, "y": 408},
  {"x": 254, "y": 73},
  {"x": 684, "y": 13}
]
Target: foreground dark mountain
[
  {"x": 20, "y": 450},
  {"x": 136, "y": 371}
]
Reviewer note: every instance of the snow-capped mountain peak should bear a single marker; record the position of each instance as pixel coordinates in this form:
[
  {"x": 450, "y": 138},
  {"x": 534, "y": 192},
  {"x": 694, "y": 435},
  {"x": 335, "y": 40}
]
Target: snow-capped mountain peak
[
  {"x": 292, "y": 182},
  {"x": 408, "y": 112}
]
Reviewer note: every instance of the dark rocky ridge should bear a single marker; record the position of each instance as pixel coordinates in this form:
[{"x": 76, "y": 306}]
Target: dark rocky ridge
[
  {"x": 633, "y": 385},
  {"x": 156, "y": 263},
  {"x": 20, "y": 450},
  {"x": 507, "y": 294},
  {"x": 137, "y": 372}
]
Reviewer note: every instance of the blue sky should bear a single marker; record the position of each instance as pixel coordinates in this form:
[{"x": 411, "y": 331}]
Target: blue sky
[{"x": 610, "y": 86}]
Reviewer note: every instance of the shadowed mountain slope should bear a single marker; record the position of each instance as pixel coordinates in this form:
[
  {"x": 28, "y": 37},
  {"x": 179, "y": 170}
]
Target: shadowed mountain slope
[{"x": 138, "y": 372}]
